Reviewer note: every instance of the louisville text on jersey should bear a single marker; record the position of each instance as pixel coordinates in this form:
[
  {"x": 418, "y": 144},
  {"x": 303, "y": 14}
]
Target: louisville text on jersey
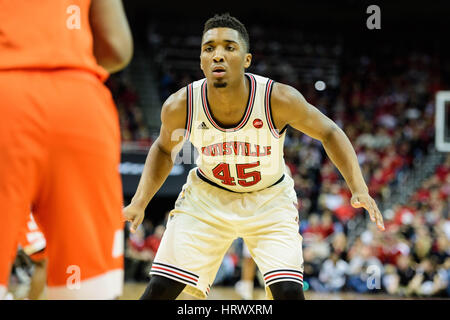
[{"x": 237, "y": 148}]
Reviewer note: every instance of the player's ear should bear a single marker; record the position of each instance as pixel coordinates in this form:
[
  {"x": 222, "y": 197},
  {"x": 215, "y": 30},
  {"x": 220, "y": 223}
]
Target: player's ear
[{"x": 248, "y": 60}]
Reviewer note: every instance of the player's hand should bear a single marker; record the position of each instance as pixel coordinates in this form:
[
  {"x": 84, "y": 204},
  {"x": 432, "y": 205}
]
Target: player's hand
[
  {"x": 364, "y": 200},
  {"x": 135, "y": 215}
]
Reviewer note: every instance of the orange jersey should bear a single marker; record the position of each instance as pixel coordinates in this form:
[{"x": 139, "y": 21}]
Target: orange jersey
[{"x": 47, "y": 34}]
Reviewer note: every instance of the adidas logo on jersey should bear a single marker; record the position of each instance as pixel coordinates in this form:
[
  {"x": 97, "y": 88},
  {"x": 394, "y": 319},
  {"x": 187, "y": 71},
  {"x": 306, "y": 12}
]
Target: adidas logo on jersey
[{"x": 202, "y": 126}]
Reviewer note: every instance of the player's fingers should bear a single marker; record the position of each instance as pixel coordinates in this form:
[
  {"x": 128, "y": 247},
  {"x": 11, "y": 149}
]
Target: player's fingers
[
  {"x": 356, "y": 203},
  {"x": 127, "y": 218},
  {"x": 126, "y": 215},
  {"x": 377, "y": 215},
  {"x": 135, "y": 224},
  {"x": 133, "y": 227},
  {"x": 359, "y": 202},
  {"x": 380, "y": 222},
  {"x": 371, "y": 211}
]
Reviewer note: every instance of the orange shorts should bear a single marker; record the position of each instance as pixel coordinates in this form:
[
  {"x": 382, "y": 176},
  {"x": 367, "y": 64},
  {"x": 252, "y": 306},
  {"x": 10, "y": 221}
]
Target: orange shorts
[{"x": 59, "y": 158}]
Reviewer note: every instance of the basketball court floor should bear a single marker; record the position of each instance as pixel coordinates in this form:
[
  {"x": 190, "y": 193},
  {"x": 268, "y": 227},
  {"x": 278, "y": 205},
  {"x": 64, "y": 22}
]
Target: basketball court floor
[{"x": 132, "y": 291}]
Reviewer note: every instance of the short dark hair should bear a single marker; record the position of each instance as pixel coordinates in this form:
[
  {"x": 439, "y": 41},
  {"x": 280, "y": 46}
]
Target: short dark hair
[{"x": 226, "y": 21}]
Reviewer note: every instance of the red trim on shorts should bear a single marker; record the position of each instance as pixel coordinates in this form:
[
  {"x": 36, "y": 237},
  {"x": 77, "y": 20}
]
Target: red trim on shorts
[{"x": 283, "y": 274}]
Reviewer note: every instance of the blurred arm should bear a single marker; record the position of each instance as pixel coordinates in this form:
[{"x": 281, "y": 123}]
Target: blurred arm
[{"x": 113, "y": 42}]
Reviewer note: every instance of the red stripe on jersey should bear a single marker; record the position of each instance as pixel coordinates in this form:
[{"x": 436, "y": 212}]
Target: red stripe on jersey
[
  {"x": 189, "y": 112},
  {"x": 268, "y": 111}
]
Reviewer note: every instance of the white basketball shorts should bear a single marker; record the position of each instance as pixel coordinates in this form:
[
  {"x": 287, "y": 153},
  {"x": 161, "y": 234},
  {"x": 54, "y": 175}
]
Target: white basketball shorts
[{"x": 206, "y": 220}]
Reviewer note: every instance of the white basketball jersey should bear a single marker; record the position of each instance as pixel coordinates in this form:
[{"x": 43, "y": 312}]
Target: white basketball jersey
[{"x": 245, "y": 158}]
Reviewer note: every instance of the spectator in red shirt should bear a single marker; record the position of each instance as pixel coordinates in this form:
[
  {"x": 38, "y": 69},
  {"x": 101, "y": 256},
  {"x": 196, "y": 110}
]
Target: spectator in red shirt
[
  {"x": 313, "y": 231},
  {"x": 153, "y": 241},
  {"x": 326, "y": 226}
]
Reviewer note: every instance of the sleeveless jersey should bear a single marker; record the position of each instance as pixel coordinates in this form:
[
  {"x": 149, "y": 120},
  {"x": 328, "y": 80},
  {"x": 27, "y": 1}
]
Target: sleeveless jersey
[
  {"x": 245, "y": 158},
  {"x": 47, "y": 34}
]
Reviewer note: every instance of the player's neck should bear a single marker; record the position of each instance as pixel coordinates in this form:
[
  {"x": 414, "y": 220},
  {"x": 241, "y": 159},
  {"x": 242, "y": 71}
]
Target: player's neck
[{"x": 230, "y": 99}]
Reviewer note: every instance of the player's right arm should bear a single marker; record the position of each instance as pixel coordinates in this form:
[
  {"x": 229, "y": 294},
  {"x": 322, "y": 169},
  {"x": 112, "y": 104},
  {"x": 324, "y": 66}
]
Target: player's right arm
[
  {"x": 160, "y": 158},
  {"x": 113, "y": 42}
]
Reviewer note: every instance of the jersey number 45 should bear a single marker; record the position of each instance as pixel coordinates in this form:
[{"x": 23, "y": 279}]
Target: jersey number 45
[{"x": 222, "y": 172}]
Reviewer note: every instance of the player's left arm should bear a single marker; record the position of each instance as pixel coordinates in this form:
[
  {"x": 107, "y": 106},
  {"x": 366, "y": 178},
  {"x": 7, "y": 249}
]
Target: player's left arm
[{"x": 289, "y": 107}]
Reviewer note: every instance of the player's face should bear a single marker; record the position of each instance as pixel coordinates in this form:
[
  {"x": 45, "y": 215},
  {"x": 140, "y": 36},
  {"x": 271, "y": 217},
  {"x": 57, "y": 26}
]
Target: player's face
[{"x": 224, "y": 57}]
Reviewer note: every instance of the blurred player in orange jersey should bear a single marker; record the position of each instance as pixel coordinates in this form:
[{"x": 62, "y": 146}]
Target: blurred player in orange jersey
[{"x": 60, "y": 140}]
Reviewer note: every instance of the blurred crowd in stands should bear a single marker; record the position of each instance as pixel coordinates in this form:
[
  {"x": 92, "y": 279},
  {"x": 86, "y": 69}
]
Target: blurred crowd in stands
[
  {"x": 384, "y": 101},
  {"x": 411, "y": 258},
  {"x": 386, "y": 108},
  {"x": 133, "y": 127},
  {"x": 140, "y": 250}
]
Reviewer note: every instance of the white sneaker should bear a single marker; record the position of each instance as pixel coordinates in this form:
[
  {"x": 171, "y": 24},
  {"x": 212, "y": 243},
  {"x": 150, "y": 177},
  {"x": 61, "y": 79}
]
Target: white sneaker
[{"x": 244, "y": 289}]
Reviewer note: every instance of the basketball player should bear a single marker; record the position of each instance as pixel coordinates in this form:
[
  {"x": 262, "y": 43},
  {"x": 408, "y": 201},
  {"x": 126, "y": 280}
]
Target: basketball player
[
  {"x": 60, "y": 140},
  {"x": 237, "y": 121}
]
